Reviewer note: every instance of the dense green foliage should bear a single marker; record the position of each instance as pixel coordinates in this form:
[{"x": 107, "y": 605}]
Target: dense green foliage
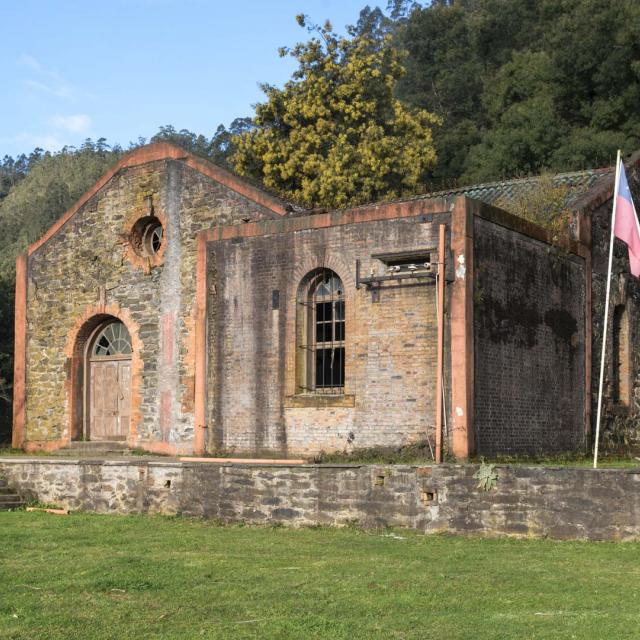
[
  {"x": 218, "y": 148},
  {"x": 97, "y": 577},
  {"x": 524, "y": 85}
]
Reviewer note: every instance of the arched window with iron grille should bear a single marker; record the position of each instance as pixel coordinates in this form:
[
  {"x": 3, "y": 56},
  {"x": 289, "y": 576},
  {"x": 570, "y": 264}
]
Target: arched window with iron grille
[{"x": 322, "y": 333}]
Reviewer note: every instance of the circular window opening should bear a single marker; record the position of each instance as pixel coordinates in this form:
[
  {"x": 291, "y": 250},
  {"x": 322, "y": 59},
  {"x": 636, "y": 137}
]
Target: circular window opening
[
  {"x": 147, "y": 236},
  {"x": 152, "y": 238}
]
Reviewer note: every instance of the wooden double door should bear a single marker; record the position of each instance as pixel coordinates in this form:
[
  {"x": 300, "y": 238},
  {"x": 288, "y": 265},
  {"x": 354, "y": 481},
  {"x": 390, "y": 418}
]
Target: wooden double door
[{"x": 109, "y": 399}]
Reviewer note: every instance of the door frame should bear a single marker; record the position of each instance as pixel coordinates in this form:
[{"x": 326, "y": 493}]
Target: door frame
[{"x": 86, "y": 377}]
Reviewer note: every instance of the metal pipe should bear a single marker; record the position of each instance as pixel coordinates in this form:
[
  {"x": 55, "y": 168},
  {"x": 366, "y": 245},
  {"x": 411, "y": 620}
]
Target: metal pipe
[{"x": 440, "y": 355}]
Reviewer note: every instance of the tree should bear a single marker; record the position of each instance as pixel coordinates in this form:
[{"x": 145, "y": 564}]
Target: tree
[
  {"x": 525, "y": 124},
  {"x": 454, "y": 48},
  {"x": 336, "y": 135},
  {"x": 218, "y": 149},
  {"x": 523, "y": 85}
]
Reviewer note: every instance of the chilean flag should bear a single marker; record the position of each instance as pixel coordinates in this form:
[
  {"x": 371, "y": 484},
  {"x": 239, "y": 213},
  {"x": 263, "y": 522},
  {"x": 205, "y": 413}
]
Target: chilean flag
[{"x": 626, "y": 223}]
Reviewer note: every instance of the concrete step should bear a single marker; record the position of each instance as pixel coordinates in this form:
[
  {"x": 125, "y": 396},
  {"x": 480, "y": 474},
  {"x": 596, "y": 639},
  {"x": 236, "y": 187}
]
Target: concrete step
[
  {"x": 8, "y": 498},
  {"x": 15, "y": 504},
  {"x": 98, "y": 448}
]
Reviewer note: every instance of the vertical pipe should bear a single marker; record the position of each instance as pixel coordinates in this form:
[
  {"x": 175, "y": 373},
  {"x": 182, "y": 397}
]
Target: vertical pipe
[
  {"x": 201, "y": 352},
  {"x": 440, "y": 356}
]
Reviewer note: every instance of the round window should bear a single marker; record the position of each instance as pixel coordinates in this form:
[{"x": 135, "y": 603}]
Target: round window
[
  {"x": 152, "y": 238},
  {"x": 147, "y": 236}
]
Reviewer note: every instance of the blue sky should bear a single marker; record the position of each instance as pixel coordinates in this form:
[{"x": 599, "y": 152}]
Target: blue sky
[{"x": 120, "y": 69}]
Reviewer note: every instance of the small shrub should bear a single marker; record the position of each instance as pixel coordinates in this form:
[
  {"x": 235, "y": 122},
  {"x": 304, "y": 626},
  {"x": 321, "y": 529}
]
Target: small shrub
[{"x": 486, "y": 476}]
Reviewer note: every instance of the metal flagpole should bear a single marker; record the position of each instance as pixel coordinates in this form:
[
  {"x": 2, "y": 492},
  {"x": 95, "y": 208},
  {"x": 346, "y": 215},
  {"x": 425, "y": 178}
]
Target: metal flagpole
[
  {"x": 440, "y": 355},
  {"x": 606, "y": 314}
]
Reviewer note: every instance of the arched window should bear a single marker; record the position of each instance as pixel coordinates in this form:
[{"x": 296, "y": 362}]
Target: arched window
[
  {"x": 113, "y": 340},
  {"x": 322, "y": 332}
]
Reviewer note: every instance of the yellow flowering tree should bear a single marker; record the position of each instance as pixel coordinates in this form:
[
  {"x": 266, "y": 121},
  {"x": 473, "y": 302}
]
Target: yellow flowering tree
[{"x": 335, "y": 135}]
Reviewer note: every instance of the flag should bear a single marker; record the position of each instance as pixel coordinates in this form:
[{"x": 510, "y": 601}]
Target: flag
[{"x": 626, "y": 225}]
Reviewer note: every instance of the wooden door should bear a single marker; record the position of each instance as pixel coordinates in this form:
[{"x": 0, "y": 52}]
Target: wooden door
[{"x": 110, "y": 399}]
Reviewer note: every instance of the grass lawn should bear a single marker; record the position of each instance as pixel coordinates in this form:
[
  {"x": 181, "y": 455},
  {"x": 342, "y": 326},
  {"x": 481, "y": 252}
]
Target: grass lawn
[{"x": 89, "y": 576}]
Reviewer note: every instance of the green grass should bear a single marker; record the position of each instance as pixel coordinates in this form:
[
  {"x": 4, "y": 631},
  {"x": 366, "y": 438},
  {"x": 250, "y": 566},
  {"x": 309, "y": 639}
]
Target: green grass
[
  {"x": 89, "y": 577},
  {"x": 605, "y": 461},
  {"x": 10, "y": 451}
]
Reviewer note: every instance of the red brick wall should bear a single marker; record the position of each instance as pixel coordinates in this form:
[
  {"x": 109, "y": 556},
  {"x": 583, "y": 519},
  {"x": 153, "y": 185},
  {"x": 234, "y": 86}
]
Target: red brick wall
[{"x": 390, "y": 344}]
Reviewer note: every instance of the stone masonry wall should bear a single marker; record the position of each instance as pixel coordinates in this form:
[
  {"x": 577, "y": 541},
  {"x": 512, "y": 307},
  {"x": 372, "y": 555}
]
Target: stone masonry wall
[
  {"x": 253, "y": 402},
  {"x": 566, "y": 503},
  {"x": 529, "y": 335},
  {"x": 85, "y": 264}
]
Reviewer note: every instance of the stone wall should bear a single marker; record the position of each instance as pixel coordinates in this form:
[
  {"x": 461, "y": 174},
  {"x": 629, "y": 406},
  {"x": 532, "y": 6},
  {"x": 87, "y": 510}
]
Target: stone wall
[
  {"x": 526, "y": 501},
  {"x": 529, "y": 339},
  {"x": 254, "y": 400},
  {"x": 88, "y": 264}
]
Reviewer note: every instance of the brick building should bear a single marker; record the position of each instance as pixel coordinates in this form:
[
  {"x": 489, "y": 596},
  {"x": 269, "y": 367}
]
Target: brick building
[{"x": 180, "y": 309}]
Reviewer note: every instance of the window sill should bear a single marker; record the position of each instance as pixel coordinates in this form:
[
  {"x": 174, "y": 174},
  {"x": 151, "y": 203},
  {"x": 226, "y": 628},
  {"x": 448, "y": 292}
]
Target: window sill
[{"x": 318, "y": 401}]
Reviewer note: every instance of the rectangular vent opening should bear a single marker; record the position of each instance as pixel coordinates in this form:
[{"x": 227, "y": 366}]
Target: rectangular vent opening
[{"x": 402, "y": 263}]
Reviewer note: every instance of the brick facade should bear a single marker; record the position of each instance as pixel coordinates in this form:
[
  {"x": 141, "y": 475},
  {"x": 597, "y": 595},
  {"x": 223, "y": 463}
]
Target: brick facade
[
  {"x": 529, "y": 332},
  {"x": 84, "y": 270},
  {"x": 389, "y": 392},
  {"x": 215, "y": 320},
  {"x": 620, "y": 423}
]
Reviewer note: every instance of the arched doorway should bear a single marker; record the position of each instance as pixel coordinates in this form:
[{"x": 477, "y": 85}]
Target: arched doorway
[{"x": 108, "y": 382}]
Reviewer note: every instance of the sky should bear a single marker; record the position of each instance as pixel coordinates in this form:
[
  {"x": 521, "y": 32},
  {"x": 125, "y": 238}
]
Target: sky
[{"x": 73, "y": 69}]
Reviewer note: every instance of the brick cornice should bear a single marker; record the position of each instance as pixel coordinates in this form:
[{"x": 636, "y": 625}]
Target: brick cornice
[
  {"x": 164, "y": 151},
  {"x": 290, "y": 224}
]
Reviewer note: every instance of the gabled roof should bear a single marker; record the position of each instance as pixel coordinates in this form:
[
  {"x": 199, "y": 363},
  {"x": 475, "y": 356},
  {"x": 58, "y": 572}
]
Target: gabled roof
[{"x": 165, "y": 151}]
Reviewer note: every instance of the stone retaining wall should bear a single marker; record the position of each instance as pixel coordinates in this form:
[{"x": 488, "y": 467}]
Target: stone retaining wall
[{"x": 527, "y": 501}]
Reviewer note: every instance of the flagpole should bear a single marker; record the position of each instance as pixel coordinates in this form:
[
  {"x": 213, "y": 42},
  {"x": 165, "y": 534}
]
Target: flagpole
[{"x": 606, "y": 313}]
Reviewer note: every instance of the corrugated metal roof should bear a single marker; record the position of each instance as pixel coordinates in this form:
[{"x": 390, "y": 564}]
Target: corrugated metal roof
[
  {"x": 499, "y": 193},
  {"x": 578, "y": 183}
]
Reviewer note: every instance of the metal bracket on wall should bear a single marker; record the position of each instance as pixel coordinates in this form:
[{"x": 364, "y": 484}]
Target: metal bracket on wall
[{"x": 374, "y": 281}]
